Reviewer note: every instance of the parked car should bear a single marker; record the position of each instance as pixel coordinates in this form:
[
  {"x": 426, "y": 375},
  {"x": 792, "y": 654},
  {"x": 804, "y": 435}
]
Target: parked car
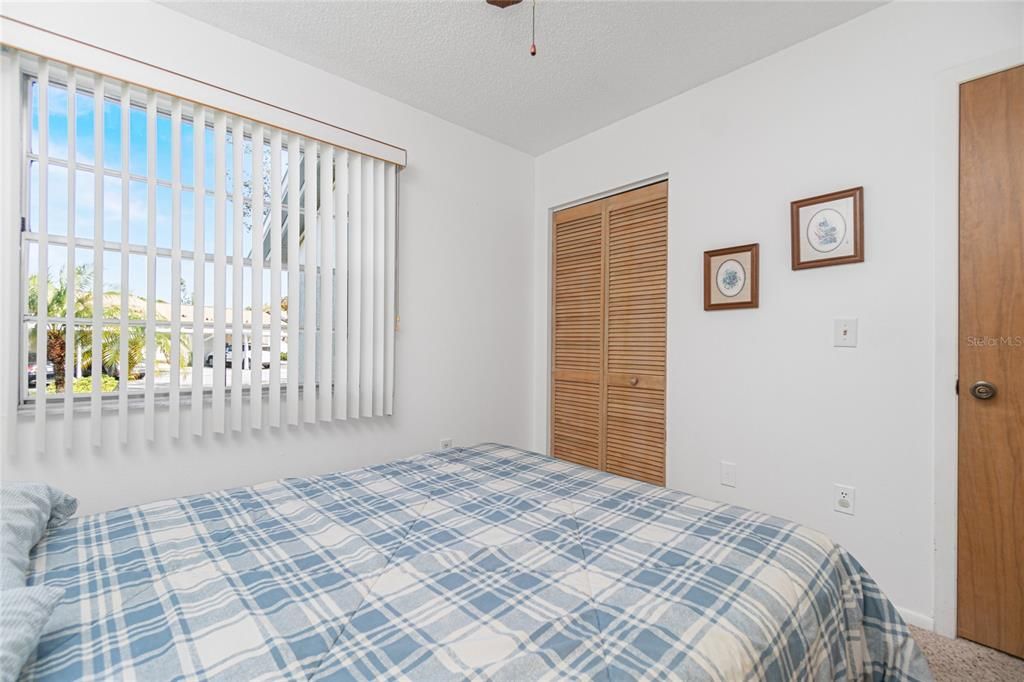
[
  {"x": 246, "y": 356},
  {"x": 32, "y": 373}
]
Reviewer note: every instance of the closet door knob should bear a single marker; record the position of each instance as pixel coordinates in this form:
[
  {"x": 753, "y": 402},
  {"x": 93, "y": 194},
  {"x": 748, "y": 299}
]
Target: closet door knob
[
  {"x": 633, "y": 381},
  {"x": 983, "y": 390}
]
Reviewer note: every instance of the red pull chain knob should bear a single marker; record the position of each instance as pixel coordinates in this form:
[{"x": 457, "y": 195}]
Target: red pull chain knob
[{"x": 533, "y": 29}]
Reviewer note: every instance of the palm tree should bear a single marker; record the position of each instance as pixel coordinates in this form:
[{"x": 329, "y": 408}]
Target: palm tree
[
  {"x": 110, "y": 344},
  {"x": 56, "y": 307}
]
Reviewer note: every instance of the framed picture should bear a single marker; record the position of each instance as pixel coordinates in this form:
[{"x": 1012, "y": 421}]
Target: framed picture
[
  {"x": 828, "y": 230},
  {"x": 730, "y": 278}
]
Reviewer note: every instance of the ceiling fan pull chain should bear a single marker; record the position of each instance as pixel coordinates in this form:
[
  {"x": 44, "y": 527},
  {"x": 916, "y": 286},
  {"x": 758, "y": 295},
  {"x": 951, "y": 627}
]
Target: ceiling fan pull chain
[
  {"x": 533, "y": 44},
  {"x": 502, "y": 4}
]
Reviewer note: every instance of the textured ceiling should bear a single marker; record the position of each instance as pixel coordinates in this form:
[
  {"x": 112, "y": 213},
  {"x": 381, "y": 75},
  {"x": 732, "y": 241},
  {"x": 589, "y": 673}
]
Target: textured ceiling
[{"x": 469, "y": 63}]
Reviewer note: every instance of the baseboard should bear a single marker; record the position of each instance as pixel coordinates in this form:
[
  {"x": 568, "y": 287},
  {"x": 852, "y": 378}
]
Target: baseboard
[{"x": 917, "y": 619}]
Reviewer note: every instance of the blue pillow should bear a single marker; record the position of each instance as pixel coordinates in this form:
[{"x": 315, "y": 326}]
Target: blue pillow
[
  {"x": 27, "y": 510},
  {"x": 23, "y": 614}
]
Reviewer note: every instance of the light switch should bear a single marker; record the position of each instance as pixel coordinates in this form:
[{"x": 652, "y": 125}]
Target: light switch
[{"x": 845, "y": 333}]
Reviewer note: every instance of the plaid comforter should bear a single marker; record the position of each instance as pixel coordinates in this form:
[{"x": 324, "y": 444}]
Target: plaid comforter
[{"x": 476, "y": 563}]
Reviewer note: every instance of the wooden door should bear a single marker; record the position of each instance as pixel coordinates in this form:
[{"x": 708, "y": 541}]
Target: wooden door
[
  {"x": 636, "y": 311},
  {"x": 990, "y": 575},
  {"x": 577, "y": 334},
  {"x": 609, "y": 293}
]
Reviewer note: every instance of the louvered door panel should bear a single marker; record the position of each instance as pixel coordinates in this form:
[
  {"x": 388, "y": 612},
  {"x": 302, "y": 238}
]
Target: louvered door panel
[
  {"x": 577, "y": 330},
  {"x": 577, "y": 422},
  {"x": 636, "y": 432},
  {"x": 636, "y": 312},
  {"x": 637, "y": 267}
]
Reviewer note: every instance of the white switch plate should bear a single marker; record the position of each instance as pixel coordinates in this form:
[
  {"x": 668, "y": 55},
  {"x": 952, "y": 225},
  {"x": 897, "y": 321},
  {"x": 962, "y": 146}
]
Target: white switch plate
[
  {"x": 845, "y": 499},
  {"x": 845, "y": 332},
  {"x": 729, "y": 474},
  {"x": 447, "y": 443}
]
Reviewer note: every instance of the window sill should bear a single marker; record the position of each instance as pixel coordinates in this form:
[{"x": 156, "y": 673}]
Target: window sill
[{"x": 111, "y": 402}]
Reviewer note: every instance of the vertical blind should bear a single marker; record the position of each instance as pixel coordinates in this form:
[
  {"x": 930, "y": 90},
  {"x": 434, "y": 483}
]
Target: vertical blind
[{"x": 174, "y": 253}]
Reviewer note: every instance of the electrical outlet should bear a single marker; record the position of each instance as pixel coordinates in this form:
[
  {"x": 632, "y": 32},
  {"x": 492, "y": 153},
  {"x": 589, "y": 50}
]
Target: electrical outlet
[
  {"x": 728, "y": 474},
  {"x": 447, "y": 443},
  {"x": 845, "y": 501}
]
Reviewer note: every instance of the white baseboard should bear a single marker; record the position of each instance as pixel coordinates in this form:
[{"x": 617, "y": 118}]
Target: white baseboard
[{"x": 917, "y": 619}]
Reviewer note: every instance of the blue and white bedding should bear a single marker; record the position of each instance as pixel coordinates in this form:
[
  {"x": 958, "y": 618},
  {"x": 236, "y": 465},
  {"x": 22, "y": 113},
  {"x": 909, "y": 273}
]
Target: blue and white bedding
[{"x": 476, "y": 563}]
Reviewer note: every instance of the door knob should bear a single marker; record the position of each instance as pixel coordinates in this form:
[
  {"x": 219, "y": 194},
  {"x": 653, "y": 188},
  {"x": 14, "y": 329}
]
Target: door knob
[
  {"x": 633, "y": 381},
  {"x": 983, "y": 390}
]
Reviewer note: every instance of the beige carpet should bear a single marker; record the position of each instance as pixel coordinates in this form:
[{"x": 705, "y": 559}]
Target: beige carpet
[{"x": 955, "y": 660}]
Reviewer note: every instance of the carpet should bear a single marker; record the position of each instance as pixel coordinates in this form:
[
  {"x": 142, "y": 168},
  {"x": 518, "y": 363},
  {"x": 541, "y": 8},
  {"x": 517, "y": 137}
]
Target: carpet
[{"x": 954, "y": 660}]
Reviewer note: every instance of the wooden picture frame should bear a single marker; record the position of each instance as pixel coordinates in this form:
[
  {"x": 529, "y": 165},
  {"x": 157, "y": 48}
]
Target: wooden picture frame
[
  {"x": 828, "y": 224},
  {"x": 731, "y": 278}
]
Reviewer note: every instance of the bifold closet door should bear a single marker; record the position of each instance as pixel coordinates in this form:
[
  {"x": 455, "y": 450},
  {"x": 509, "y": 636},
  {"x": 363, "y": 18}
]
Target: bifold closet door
[
  {"x": 609, "y": 278},
  {"x": 636, "y": 312},
  {"x": 578, "y": 263}
]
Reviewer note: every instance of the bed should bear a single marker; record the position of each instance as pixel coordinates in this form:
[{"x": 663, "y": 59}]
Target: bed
[{"x": 487, "y": 562}]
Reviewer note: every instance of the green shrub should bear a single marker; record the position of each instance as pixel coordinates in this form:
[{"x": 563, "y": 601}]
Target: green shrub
[{"x": 84, "y": 385}]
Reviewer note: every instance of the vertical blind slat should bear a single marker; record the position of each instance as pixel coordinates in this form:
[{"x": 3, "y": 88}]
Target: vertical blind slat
[
  {"x": 355, "y": 279},
  {"x": 275, "y": 279},
  {"x": 294, "y": 297},
  {"x": 256, "y": 384},
  {"x": 11, "y": 252},
  {"x": 42, "y": 260},
  {"x": 341, "y": 285},
  {"x": 72, "y": 280},
  {"x": 174, "y": 413},
  {"x": 309, "y": 283},
  {"x": 366, "y": 302},
  {"x": 219, "y": 267},
  {"x": 326, "y": 278},
  {"x": 198, "y": 267},
  {"x": 238, "y": 351},
  {"x": 378, "y": 287},
  {"x": 149, "y": 410},
  {"x": 122, "y": 360},
  {"x": 390, "y": 279},
  {"x": 96, "y": 407}
]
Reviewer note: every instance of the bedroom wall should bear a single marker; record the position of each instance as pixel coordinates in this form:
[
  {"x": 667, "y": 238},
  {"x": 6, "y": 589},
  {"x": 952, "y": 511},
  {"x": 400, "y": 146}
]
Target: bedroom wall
[
  {"x": 765, "y": 388},
  {"x": 463, "y": 351}
]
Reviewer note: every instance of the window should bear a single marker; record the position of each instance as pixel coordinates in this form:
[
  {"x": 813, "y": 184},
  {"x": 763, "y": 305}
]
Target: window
[
  {"x": 71, "y": 208},
  {"x": 172, "y": 252}
]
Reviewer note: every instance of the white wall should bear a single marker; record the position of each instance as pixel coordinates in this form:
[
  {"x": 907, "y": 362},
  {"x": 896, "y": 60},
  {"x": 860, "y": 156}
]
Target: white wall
[
  {"x": 765, "y": 388},
  {"x": 463, "y": 352}
]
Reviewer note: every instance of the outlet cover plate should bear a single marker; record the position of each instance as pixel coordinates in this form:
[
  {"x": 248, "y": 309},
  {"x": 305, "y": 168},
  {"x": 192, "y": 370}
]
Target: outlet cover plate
[
  {"x": 845, "y": 499},
  {"x": 728, "y": 474},
  {"x": 844, "y": 332},
  {"x": 447, "y": 443}
]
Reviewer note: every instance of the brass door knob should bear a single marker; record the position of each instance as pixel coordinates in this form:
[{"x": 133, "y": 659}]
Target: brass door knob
[{"x": 983, "y": 390}]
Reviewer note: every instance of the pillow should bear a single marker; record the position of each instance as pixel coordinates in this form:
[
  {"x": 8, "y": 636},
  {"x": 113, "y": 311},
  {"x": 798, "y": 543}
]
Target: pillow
[
  {"x": 27, "y": 510},
  {"x": 23, "y": 614}
]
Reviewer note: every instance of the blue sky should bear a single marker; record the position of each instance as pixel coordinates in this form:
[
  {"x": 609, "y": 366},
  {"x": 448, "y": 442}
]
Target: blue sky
[{"x": 85, "y": 148}]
